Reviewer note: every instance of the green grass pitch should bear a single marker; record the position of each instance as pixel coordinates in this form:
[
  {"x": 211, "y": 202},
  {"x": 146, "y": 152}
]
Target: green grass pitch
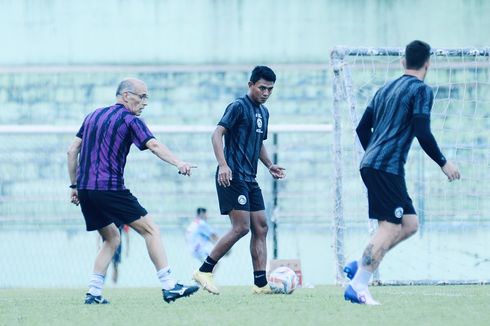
[{"x": 322, "y": 305}]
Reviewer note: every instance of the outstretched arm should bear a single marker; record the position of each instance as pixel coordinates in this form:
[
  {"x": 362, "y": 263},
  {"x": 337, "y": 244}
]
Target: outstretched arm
[
  {"x": 163, "y": 153},
  {"x": 72, "y": 157},
  {"x": 224, "y": 172},
  {"x": 275, "y": 170},
  {"x": 429, "y": 145}
]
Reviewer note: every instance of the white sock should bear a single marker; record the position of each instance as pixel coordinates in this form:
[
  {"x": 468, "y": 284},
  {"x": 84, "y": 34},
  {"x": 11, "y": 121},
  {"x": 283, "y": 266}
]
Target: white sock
[
  {"x": 361, "y": 279},
  {"x": 96, "y": 284},
  {"x": 165, "y": 277}
]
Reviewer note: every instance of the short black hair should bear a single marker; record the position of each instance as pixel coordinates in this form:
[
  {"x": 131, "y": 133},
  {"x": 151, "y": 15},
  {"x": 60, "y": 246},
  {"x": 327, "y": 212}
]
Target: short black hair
[
  {"x": 416, "y": 54},
  {"x": 263, "y": 72},
  {"x": 200, "y": 210}
]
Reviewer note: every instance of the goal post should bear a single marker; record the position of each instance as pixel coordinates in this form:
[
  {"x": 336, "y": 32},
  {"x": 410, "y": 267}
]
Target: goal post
[{"x": 460, "y": 78}]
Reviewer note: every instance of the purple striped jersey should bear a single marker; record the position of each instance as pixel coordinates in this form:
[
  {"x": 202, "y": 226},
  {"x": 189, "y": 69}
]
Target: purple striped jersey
[{"x": 107, "y": 134}]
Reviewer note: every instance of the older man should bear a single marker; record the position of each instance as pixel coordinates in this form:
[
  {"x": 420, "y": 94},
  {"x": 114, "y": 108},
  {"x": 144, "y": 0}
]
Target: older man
[{"x": 96, "y": 160}]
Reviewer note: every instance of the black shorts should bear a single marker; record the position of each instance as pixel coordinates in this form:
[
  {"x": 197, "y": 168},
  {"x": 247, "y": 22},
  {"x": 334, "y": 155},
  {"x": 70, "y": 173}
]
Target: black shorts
[
  {"x": 101, "y": 208},
  {"x": 387, "y": 196},
  {"x": 240, "y": 195}
]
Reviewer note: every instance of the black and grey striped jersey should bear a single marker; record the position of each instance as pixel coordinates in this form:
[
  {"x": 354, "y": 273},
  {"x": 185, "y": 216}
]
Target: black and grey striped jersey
[
  {"x": 393, "y": 108},
  {"x": 246, "y": 123}
]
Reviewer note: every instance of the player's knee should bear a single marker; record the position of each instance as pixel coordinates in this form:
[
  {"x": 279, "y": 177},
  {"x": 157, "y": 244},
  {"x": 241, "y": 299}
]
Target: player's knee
[
  {"x": 409, "y": 229},
  {"x": 412, "y": 229},
  {"x": 261, "y": 230},
  {"x": 152, "y": 230},
  {"x": 114, "y": 240},
  {"x": 240, "y": 231},
  {"x": 147, "y": 228}
]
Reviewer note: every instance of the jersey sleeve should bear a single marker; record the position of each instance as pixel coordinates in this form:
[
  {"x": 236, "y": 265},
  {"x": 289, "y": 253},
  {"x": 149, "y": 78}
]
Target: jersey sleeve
[
  {"x": 266, "y": 129},
  {"x": 140, "y": 134},
  {"x": 422, "y": 103},
  {"x": 80, "y": 132},
  {"x": 231, "y": 116},
  {"x": 370, "y": 107},
  {"x": 427, "y": 140},
  {"x": 364, "y": 127},
  {"x": 82, "y": 127}
]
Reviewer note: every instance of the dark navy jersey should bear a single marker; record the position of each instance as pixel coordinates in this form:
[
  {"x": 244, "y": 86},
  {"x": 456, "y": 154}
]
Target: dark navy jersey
[
  {"x": 107, "y": 134},
  {"x": 393, "y": 109},
  {"x": 246, "y": 124}
]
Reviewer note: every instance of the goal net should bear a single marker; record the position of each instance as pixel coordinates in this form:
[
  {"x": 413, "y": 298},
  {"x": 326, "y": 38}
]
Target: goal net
[{"x": 451, "y": 245}]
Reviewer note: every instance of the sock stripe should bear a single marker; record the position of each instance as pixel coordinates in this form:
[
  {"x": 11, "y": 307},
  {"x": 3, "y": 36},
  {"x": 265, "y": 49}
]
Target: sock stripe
[{"x": 208, "y": 265}]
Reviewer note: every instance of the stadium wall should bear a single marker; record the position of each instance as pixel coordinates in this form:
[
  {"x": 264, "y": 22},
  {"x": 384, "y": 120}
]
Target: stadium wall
[
  {"x": 235, "y": 31},
  {"x": 33, "y": 177}
]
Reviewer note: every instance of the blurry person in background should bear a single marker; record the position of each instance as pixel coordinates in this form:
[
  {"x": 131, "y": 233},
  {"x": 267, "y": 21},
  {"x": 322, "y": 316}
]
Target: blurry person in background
[
  {"x": 200, "y": 236},
  {"x": 116, "y": 260}
]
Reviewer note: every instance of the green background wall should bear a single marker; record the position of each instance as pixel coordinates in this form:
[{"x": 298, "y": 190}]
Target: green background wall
[{"x": 226, "y": 31}]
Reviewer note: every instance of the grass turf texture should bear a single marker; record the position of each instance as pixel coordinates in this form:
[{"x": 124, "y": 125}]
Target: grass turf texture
[{"x": 402, "y": 305}]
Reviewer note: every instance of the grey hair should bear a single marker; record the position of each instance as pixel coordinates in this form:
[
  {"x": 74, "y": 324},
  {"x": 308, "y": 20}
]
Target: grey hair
[{"x": 125, "y": 85}]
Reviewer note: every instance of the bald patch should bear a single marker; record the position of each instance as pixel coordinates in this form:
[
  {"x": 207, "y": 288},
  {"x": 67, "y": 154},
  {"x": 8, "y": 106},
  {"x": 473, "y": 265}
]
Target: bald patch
[{"x": 128, "y": 85}]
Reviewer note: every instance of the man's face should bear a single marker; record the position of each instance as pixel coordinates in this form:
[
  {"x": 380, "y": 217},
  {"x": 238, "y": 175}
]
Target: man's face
[
  {"x": 260, "y": 91},
  {"x": 136, "y": 100}
]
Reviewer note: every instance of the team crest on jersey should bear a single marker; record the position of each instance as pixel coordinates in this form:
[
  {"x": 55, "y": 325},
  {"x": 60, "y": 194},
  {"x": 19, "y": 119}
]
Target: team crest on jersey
[
  {"x": 242, "y": 200},
  {"x": 259, "y": 123},
  {"x": 398, "y": 212}
]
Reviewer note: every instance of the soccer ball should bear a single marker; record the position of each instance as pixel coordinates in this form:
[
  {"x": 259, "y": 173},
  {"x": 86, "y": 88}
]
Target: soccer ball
[{"x": 283, "y": 280}]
